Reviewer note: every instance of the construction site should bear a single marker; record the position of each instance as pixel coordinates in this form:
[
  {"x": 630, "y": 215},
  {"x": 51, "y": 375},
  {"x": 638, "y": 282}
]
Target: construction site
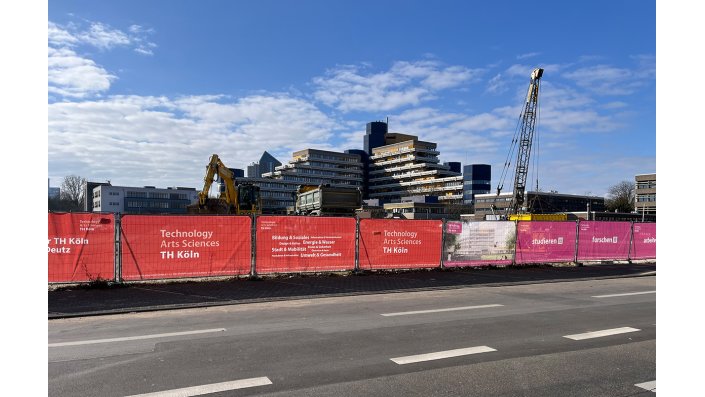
[{"x": 395, "y": 175}]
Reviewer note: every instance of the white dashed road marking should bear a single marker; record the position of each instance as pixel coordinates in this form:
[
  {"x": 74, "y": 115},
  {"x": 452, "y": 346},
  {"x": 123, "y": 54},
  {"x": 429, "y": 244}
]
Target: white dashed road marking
[
  {"x": 651, "y": 386},
  {"x": 598, "y": 334},
  {"x": 443, "y": 354},
  {"x": 128, "y": 338},
  {"x": 207, "y": 389},
  {"x": 451, "y": 309},
  {"x": 625, "y": 294}
]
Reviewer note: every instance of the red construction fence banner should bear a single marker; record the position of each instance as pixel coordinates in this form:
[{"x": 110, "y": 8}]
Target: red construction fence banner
[
  {"x": 304, "y": 244},
  {"x": 477, "y": 243},
  {"x": 545, "y": 242},
  {"x": 157, "y": 246},
  {"x": 644, "y": 241},
  {"x": 400, "y": 244},
  {"x": 81, "y": 247},
  {"x": 599, "y": 240}
]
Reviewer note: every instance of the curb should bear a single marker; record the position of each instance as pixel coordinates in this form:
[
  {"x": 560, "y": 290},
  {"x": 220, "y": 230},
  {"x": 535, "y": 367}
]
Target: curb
[{"x": 183, "y": 306}]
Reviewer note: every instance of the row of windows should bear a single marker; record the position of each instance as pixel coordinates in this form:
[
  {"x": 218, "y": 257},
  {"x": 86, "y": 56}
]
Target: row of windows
[
  {"x": 154, "y": 204},
  {"x": 645, "y": 197},
  {"x": 418, "y": 210},
  {"x": 334, "y": 158},
  {"x": 477, "y": 182},
  {"x": 156, "y": 195},
  {"x": 646, "y": 185}
]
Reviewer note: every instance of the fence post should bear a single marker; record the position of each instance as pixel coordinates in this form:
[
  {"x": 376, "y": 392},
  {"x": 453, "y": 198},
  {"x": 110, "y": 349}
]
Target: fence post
[
  {"x": 118, "y": 247},
  {"x": 357, "y": 245},
  {"x": 631, "y": 243},
  {"x": 443, "y": 238},
  {"x": 516, "y": 242},
  {"x": 577, "y": 239},
  {"x": 253, "y": 247}
]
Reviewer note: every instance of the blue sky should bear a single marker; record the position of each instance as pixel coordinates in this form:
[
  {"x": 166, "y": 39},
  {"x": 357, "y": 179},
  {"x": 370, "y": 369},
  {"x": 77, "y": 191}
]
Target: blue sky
[{"x": 141, "y": 93}]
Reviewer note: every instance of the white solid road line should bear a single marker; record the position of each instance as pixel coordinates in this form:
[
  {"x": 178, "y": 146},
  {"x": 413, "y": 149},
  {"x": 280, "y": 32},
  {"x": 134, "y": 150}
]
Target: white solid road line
[
  {"x": 651, "y": 386},
  {"x": 206, "y": 389},
  {"x": 625, "y": 294},
  {"x": 444, "y": 354},
  {"x": 451, "y": 309},
  {"x": 598, "y": 334},
  {"x": 128, "y": 338}
]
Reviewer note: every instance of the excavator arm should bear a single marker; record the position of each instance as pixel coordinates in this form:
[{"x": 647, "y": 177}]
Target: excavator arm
[{"x": 217, "y": 168}]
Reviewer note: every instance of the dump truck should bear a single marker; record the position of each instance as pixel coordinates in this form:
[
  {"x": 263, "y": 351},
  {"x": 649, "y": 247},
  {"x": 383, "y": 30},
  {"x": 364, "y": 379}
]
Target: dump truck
[{"x": 326, "y": 200}]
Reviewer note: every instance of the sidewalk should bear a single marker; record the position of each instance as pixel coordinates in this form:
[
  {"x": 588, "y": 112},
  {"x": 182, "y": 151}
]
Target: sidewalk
[{"x": 137, "y": 297}]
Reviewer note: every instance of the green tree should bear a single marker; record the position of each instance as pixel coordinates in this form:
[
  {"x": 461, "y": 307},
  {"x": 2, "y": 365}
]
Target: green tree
[{"x": 620, "y": 197}]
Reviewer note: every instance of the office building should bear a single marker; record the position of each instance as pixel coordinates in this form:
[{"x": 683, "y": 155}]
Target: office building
[
  {"x": 88, "y": 188},
  {"x": 141, "y": 200},
  {"x": 266, "y": 163},
  {"x": 645, "y": 194},
  {"x": 490, "y": 205},
  {"x": 307, "y": 167},
  {"x": 476, "y": 180},
  {"x": 406, "y": 166}
]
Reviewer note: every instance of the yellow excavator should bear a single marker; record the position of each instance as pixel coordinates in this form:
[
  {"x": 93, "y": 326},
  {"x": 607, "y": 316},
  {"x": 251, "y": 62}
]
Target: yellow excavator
[{"x": 239, "y": 199}]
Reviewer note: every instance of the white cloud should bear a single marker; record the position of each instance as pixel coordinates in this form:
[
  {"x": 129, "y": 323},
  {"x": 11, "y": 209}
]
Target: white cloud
[
  {"x": 73, "y": 76},
  {"x": 610, "y": 80},
  {"x": 60, "y": 37},
  {"x": 101, "y": 36},
  {"x": 496, "y": 85},
  {"x": 348, "y": 88},
  {"x": 134, "y": 140},
  {"x": 528, "y": 55}
]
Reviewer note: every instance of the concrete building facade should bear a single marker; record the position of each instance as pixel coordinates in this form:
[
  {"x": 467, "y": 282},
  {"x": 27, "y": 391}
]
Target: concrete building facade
[
  {"x": 406, "y": 166},
  {"x": 141, "y": 200},
  {"x": 307, "y": 167},
  {"x": 645, "y": 194},
  {"x": 536, "y": 203}
]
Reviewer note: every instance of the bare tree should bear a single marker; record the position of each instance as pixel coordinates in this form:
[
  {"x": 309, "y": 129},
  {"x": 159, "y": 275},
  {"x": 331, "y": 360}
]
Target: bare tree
[
  {"x": 72, "y": 190},
  {"x": 620, "y": 197}
]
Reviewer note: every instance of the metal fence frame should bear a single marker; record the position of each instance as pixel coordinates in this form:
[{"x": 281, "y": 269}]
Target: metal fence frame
[{"x": 253, "y": 261}]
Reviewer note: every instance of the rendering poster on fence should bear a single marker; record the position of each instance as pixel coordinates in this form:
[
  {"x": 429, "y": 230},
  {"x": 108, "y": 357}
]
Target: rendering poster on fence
[
  {"x": 545, "y": 242},
  {"x": 395, "y": 244},
  {"x": 604, "y": 240},
  {"x": 470, "y": 243},
  {"x": 81, "y": 247},
  {"x": 305, "y": 244},
  {"x": 185, "y": 246},
  {"x": 644, "y": 241}
]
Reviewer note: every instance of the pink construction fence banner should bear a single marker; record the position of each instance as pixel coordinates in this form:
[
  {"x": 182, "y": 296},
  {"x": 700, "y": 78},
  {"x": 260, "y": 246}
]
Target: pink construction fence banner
[
  {"x": 644, "y": 241},
  {"x": 470, "y": 243},
  {"x": 172, "y": 246},
  {"x": 81, "y": 247},
  {"x": 288, "y": 244},
  {"x": 599, "y": 240},
  {"x": 400, "y": 244},
  {"x": 545, "y": 242}
]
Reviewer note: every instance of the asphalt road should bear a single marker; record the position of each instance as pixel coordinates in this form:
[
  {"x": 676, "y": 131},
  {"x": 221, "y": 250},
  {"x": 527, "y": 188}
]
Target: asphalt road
[{"x": 579, "y": 338}]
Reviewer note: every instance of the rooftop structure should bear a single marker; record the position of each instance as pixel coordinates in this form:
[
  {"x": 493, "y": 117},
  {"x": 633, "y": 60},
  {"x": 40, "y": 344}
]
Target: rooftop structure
[
  {"x": 307, "y": 167},
  {"x": 406, "y": 166}
]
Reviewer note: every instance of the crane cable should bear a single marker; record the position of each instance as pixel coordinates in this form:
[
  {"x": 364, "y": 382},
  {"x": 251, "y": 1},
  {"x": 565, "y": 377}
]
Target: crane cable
[
  {"x": 537, "y": 150},
  {"x": 510, "y": 154}
]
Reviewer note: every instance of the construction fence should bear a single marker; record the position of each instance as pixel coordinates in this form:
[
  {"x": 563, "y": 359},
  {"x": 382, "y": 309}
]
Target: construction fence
[{"x": 85, "y": 247}]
